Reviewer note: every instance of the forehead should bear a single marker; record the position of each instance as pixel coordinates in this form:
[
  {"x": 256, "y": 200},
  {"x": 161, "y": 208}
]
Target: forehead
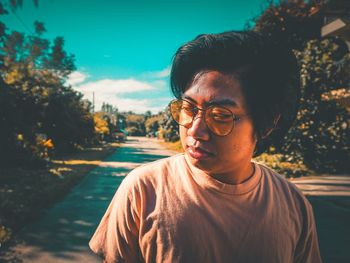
[{"x": 211, "y": 86}]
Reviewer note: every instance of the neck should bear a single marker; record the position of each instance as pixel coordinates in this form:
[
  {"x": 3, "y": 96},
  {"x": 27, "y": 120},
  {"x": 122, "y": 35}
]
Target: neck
[{"x": 237, "y": 176}]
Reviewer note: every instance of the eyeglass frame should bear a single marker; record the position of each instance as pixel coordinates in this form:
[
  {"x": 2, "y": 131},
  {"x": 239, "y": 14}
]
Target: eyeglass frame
[{"x": 197, "y": 109}]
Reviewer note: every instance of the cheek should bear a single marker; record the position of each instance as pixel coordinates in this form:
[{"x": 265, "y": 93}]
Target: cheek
[
  {"x": 183, "y": 132},
  {"x": 240, "y": 145}
]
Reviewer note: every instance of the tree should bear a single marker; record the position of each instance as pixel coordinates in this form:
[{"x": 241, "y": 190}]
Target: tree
[
  {"x": 35, "y": 99},
  {"x": 291, "y": 22},
  {"x": 320, "y": 135},
  {"x": 169, "y": 128},
  {"x": 101, "y": 125},
  {"x": 68, "y": 120},
  {"x": 152, "y": 124},
  {"x": 135, "y": 124},
  {"x": 58, "y": 60},
  {"x": 148, "y": 114}
]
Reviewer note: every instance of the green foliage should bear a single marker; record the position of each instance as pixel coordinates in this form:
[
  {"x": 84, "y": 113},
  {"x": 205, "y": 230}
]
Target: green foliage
[
  {"x": 320, "y": 136},
  {"x": 101, "y": 125},
  {"x": 35, "y": 100},
  {"x": 5, "y": 234},
  {"x": 152, "y": 124},
  {"x": 68, "y": 120},
  {"x": 169, "y": 128},
  {"x": 107, "y": 123},
  {"x": 290, "y": 22},
  {"x": 58, "y": 60},
  {"x": 108, "y": 108},
  {"x": 135, "y": 124},
  {"x": 283, "y": 165},
  {"x": 321, "y": 132}
]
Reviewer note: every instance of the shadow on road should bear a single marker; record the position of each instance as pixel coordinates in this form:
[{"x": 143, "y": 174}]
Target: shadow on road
[
  {"x": 332, "y": 215},
  {"x": 63, "y": 234}
]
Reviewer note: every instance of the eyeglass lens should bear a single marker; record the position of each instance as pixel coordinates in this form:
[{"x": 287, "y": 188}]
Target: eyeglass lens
[{"x": 218, "y": 119}]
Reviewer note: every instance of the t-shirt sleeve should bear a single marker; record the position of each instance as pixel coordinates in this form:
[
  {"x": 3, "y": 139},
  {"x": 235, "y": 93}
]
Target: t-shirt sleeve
[
  {"x": 116, "y": 237},
  {"x": 307, "y": 249}
]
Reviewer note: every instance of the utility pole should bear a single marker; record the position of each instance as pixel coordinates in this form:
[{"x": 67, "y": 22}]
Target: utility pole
[{"x": 93, "y": 102}]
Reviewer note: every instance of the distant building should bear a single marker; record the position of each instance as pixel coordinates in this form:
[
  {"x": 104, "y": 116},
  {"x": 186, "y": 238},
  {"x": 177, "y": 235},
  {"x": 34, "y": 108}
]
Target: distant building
[
  {"x": 336, "y": 15},
  {"x": 337, "y": 19}
]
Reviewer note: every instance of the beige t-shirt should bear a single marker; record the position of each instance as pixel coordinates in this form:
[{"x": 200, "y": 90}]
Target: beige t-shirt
[{"x": 170, "y": 211}]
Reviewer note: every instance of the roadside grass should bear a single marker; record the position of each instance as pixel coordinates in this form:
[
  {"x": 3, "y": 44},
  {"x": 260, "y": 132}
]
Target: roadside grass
[
  {"x": 174, "y": 146},
  {"x": 288, "y": 169},
  {"x": 25, "y": 194}
]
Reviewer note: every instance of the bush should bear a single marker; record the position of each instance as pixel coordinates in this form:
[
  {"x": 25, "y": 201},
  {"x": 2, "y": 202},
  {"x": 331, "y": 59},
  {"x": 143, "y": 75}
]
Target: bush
[
  {"x": 283, "y": 166},
  {"x": 5, "y": 234}
]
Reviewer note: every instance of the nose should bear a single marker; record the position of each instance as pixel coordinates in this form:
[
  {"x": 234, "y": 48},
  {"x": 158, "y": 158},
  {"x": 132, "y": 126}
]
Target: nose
[{"x": 199, "y": 129}]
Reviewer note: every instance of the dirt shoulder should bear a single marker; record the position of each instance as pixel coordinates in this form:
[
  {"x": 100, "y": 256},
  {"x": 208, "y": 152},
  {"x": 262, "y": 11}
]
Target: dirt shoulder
[{"x": 25, "y": 194}]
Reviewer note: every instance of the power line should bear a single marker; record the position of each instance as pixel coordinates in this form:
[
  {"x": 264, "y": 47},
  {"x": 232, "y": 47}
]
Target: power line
[{"x": 21, "y": 21}]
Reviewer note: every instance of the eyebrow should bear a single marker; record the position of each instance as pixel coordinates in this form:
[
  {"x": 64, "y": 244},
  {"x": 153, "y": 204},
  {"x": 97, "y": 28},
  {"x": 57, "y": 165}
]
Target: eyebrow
[{"x": 222, "y": 102}]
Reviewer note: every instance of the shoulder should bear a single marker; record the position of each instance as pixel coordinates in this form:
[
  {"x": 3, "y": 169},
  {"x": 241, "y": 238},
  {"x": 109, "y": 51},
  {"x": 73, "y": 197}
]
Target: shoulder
[
  {"x": 153, "y": 173},
  {"x": 156, "y": 168},
  {"x": 284, "y": 194},
  {"x": 284, "y": 188}
]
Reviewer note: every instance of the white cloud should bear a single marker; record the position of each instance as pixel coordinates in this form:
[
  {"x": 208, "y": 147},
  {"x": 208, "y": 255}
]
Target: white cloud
[
  {"x": 76, "y": 77},
  {"x": 163, "y": 73},
  {"x": 111, "y": 91},
  {"x": 158, "y": 74},
  {"x": 135, "y": 105},
  {"x": 115, "y": 86},
  {"x": 160, "y": 84}
]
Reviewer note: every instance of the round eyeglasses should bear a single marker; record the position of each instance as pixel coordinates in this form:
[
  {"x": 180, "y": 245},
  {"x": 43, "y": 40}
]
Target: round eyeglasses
[{"x": 218, "y": 119}]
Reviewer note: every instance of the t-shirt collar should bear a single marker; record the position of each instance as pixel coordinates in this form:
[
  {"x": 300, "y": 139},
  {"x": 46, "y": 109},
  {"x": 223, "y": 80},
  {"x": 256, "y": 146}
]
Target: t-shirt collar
[{"x": 207, "y": 181}]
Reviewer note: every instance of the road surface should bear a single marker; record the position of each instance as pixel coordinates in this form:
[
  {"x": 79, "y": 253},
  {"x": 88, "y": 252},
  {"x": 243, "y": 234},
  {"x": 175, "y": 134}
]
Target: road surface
[
  {"x": 330, "y": 199},
  {"x": 63, "y": 234}
]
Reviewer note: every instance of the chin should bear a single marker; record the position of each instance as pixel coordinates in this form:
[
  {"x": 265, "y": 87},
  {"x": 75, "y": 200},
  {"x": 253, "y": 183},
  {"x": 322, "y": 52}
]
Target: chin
[{"x": 204, "y": 164}]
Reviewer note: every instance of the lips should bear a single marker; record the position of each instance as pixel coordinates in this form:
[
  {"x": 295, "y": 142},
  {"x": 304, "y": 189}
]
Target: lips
[{"x": 199, "y": 153}]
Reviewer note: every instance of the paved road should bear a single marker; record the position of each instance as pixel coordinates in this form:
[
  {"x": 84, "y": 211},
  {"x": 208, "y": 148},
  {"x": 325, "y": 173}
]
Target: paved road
[
  {"x": 62, "y": 235},
  {"x": 330, "y": 199}
]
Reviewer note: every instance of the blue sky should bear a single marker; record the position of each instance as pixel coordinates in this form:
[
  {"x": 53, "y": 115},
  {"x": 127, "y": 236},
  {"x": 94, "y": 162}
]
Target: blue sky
[{"x": 123, "y": 49}]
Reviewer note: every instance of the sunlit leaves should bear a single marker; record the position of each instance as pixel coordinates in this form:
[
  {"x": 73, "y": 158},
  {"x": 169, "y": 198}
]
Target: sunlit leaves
[
  {"x": 135, "y": 124},
  {"x": 152, "y": 124},
  {"x": 320, "y": 135},
  {"x": 321, "y": 132},
  {"x": 169, "y": 128},
  {"x": 101, "y": 125},
  {"x": 290, "y": 22},
  {"x": 34, "y": 99}
]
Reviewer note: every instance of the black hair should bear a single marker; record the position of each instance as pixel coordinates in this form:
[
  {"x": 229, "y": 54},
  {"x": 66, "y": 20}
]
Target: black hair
[{"x": 268, "y": 74}]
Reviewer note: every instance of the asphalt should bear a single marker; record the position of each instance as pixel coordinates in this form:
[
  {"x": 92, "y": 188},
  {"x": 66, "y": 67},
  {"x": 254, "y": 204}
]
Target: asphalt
[
  {"x": 63, "y": 234},
  {"x": 330, "y": 199}
]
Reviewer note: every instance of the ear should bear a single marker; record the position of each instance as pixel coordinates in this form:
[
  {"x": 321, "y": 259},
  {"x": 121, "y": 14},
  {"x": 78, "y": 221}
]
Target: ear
[{"x": 270, "y": 130}]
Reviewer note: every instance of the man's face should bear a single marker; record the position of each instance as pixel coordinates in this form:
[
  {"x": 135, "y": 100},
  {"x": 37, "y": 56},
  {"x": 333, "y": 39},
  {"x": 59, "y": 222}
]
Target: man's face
[{"x": 216, "y": 155}]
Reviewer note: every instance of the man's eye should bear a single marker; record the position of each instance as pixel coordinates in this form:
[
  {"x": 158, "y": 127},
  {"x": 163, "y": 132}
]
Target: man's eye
[
  {"x": 221, "y": 116},
  {"x": 187, "y": 109}
]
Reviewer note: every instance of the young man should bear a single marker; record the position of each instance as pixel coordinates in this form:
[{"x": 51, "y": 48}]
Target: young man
[{"x": 234, "y": 91}]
